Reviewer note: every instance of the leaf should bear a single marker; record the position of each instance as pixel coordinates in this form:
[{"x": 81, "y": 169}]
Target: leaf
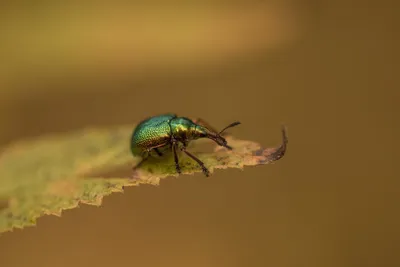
[{"x": 55, "y": 173}]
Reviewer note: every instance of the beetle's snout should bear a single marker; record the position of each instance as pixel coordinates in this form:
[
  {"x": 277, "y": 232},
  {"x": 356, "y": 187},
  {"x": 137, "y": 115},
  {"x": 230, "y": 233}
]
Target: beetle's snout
[{"x": 222, "y": 142}]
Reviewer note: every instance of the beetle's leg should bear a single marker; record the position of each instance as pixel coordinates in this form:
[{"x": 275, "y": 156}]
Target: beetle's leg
[
  {"x": 139, "y": 164},
  {"x": 158, "y": 152},
  {"x": 145, "y": 156},
  {"x": 174, "y": 147},
  {"x": 204, "y": 169}
]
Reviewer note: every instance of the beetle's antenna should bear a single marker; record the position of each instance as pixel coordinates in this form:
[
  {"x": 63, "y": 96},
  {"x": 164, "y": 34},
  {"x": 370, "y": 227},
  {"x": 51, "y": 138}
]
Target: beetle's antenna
[{"x": 229, "y": 126}]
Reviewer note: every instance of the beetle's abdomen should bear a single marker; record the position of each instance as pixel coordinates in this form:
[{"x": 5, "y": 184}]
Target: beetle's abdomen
[
  {"x": 152, "y": 136},
  {"x": 151, "y": 133}
]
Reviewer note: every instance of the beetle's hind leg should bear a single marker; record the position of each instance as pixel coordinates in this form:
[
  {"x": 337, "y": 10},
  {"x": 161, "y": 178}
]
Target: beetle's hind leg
[
  {"x": 145, "y": 157},
  {"x": 174, "y": 148},
  {"x": 137, "y": 166},
  {"x": 203, "y": 167}
]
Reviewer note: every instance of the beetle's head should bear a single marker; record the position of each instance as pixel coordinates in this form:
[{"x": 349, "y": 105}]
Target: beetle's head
[{"x": 218, "y": 138}]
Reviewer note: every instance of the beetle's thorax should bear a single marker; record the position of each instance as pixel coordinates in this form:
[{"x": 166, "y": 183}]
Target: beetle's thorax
[{"x": 182, "y": 129}]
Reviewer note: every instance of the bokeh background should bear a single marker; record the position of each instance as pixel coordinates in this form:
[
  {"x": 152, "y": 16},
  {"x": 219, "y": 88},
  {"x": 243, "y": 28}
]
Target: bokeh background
[{"x": 327, "y": 69}]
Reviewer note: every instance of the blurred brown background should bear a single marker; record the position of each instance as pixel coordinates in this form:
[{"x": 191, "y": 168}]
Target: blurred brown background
[{"x": 326, "y": 69}]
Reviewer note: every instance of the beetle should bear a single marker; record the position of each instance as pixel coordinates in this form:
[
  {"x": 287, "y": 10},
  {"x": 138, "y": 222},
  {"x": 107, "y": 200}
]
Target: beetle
[{"x": 165, "y": 130}]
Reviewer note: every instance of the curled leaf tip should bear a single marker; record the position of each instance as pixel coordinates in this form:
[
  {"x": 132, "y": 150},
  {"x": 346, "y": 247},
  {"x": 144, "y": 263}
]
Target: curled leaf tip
[{"x": 281, "y": 150}]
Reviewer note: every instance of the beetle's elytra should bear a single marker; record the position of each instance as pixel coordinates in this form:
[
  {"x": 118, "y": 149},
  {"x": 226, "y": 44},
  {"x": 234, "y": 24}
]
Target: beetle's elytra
[{"x": 173, "y": 131}]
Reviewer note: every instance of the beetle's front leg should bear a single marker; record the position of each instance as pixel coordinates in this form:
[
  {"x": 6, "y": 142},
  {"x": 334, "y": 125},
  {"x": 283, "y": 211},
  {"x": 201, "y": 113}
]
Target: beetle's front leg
[
  {"x": 174, "y": 145},
  {"x": 201, "y": 164}
]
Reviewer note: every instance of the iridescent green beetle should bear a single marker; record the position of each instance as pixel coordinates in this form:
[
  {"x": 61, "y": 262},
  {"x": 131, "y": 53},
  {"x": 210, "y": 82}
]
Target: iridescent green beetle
[{"x": 176, "y": 132}]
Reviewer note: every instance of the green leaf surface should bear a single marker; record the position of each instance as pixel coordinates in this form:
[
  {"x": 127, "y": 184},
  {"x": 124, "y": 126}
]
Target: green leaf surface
[{"x": 54, "y": 173}]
